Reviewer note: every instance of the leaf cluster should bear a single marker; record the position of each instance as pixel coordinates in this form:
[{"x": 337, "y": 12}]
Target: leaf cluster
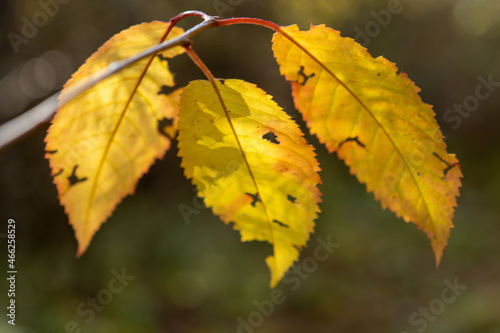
[{"x": 247, "y": 158}]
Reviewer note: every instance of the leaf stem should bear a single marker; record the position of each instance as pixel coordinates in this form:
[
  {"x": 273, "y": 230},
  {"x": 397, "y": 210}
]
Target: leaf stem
[
  {"x": 250, "y": 20},
  {"x": 189, "y": 13},
  {"x": 275, "y": 27},
  {"x": 26, "y": 122}
]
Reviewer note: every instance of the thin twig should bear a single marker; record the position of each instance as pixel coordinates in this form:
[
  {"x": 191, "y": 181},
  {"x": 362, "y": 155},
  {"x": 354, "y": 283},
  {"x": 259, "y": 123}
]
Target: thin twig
[
  {"x": 28, "y": 121},
  {"x": 43, "y": 112}
]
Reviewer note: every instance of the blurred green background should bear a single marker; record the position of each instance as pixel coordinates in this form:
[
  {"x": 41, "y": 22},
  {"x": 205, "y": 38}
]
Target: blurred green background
[{"x": 198, "y": 276}]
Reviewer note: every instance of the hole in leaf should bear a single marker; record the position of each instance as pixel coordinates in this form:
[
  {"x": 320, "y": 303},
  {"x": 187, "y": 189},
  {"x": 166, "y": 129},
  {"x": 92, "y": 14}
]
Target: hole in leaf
[
  {"x": 281, "y": 224},
  {"x": 51, "y": 152},
  {"x": 163, "y": 124},
  {"x": 355, "y": 139},
  {"x": 291, "y": 198},
  {"x": 271, "y": 137},
  {"x": 255, "y": 198},
  {"x": 162, "y": 58},
  {"x": 306, "y": 78},
  {"x": 58, "y": 173},
  {"x": 448, "y": 165},
  {"x": 73, "y": 179},
  {"x": 165, "y": 90}
]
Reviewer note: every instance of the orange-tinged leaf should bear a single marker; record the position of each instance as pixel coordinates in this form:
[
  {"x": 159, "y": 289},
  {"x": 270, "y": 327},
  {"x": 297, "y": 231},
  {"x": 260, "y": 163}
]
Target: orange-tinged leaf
[
  {"x": 374, "y": 119},
  {"x": 252, "y": 165},
  {"x": 103, "y": 141}
]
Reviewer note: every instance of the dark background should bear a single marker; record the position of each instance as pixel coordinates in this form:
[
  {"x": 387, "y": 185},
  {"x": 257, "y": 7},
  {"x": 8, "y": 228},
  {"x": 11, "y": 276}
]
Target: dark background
[{"x": 199, "y": 277}]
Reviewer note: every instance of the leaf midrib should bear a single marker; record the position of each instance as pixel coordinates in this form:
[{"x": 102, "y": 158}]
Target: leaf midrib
[
  {"x": 320, "y": 63},
  {"x": 235, "y": 134},
  {"x": 111, "y": 139}
]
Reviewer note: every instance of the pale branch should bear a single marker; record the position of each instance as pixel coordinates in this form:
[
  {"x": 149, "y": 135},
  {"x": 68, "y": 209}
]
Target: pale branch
[
  {"x": 28, "y": 121},
  {"x": 43, "y": 112}
]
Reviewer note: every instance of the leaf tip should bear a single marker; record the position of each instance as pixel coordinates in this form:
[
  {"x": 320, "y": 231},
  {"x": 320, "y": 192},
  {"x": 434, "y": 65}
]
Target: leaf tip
[
  {"x": 83, "y": 243},
  {"x": 439, "y": 246},
  {"x": 275, "y": 276},
  {"x": 438, "y": 253},
  {"x": 438, "y": 259},
  {"x": 79, "y": 253}
]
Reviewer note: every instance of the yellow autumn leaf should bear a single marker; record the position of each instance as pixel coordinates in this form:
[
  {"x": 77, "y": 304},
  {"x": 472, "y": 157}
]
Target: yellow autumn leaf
[
  {"x": 103, "y": 141},
  {"x": 251, "y": 165},
  {"x": 374, "y": 119}
]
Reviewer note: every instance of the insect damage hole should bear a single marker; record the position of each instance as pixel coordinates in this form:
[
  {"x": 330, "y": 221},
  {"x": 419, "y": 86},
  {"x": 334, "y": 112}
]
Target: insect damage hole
[
  {"x": 281, "y": 224},
  {"x": 291, "y": 198},
  {"x": 271, "y": 137},
  {"x": 162, "y": 58},
  {"x": 163, "y": 125},
  {"x": 306, "y": 78},
  {"x": 355, "y": 139},
  {"x": 73, "y": 178},
  {"x": 255, "y": 198},
  {"x": 166, "y": 90},
  {"x": 448, "y": 165}
]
